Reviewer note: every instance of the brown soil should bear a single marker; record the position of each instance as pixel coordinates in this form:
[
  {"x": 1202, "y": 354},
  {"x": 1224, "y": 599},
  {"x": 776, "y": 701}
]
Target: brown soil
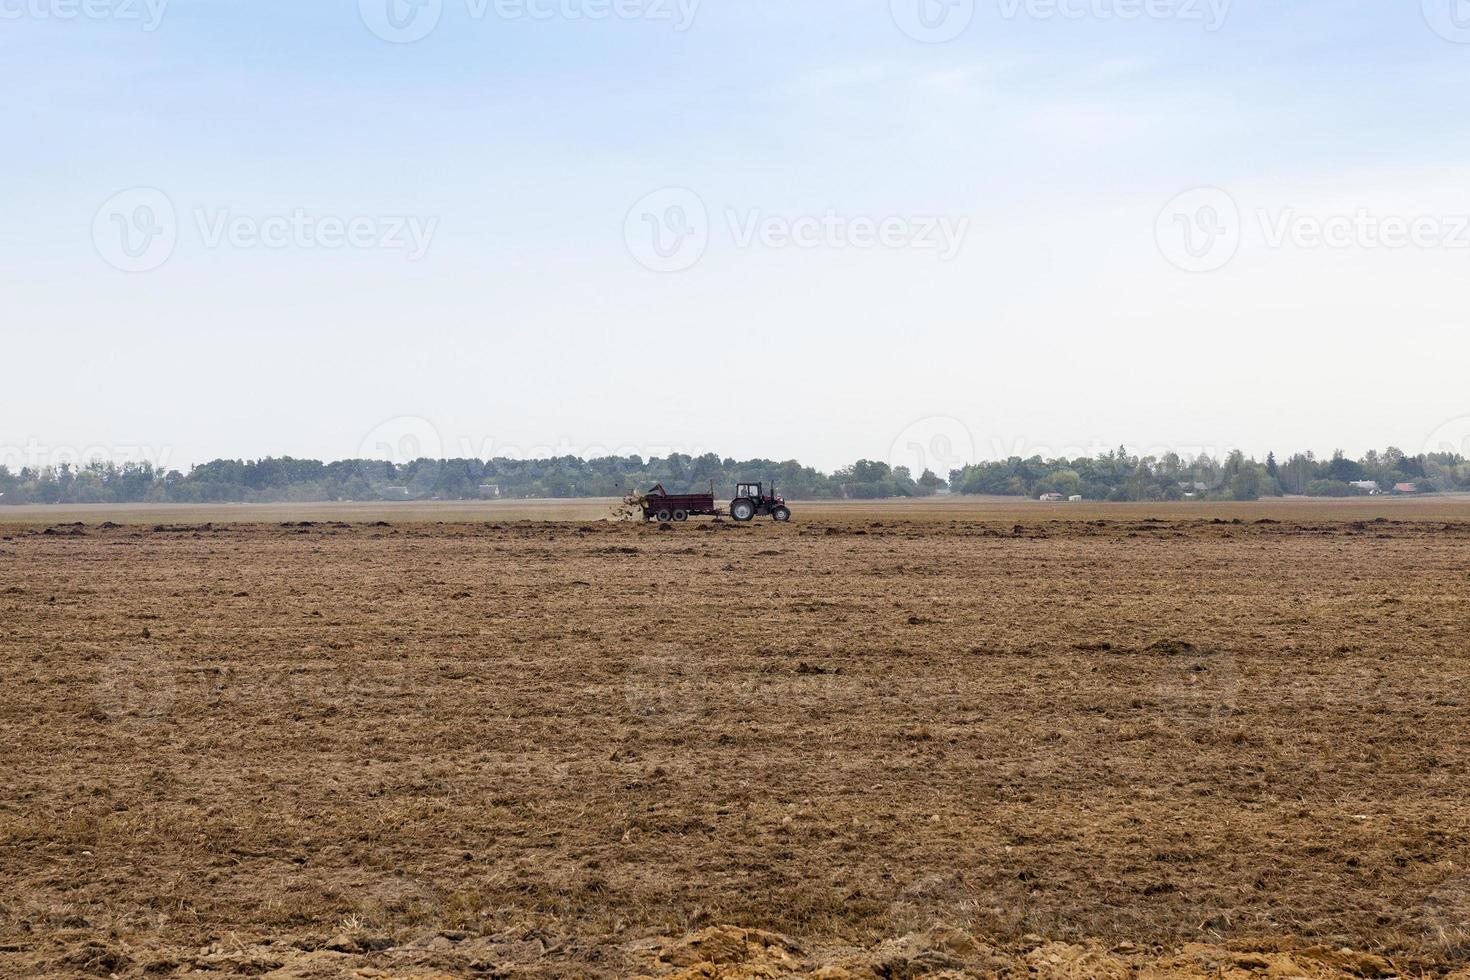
[{"x": 855, "y": 745}]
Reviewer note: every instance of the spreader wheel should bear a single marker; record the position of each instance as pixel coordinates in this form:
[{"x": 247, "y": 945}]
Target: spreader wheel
[
  {"x": 663, "y": 516},
  {"x": 681, "y": 515}
]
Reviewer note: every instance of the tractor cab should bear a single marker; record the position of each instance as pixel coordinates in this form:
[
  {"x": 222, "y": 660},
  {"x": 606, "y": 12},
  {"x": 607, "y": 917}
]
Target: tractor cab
[{"x": 751, "y": 500}]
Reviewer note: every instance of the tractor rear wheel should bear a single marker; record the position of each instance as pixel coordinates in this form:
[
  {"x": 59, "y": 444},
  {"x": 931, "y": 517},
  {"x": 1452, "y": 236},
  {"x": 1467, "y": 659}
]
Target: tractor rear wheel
[
  {"x": 742, "y": 510},
  {"x": 681, "y": 516},
  {"x": 663, "y": 516},
  {"x": 781, "y": 514}
]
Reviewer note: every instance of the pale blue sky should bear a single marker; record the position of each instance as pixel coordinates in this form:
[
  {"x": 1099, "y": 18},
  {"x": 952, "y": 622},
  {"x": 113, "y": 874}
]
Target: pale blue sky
[{"x": 530, "y": 322}]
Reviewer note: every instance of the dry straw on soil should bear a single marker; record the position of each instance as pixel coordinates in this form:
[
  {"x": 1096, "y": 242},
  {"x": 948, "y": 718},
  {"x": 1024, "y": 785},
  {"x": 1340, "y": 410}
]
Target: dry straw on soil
[{"x": 1146, "y": 745}]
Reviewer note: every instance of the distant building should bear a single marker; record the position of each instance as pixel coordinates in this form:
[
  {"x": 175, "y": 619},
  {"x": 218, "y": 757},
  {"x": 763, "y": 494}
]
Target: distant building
[
  {"x": 1406, "y": 488},
  {"x": 1052, "y": 498},
  {"x": 489, "y": 491},
  {"x": 395, "y": 491},
  {"x": 1367, "y": 486},
  {"x": 1076, "y": 498}
]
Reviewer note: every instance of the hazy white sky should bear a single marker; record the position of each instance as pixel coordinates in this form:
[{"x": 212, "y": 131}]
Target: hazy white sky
[{"x": 824, "y": 230}]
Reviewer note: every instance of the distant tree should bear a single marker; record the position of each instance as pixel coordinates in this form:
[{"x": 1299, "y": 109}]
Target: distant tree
[
  {"x": 1246, "y": 484},
  {"x": 1299, "y": 471},
  {"x": 1344, "y": 470},
  {"x": 1065, "y": 482},
  {"x": 1114, "y": 475},
  {"x": 1331, "y": 488},
  {"x": 1206, "y": 470}
]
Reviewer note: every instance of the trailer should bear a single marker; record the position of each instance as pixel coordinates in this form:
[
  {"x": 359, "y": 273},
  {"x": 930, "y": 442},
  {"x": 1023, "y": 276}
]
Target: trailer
[
  {"x": 750, "y": 501},
  {"x": 660, "y": 505}
]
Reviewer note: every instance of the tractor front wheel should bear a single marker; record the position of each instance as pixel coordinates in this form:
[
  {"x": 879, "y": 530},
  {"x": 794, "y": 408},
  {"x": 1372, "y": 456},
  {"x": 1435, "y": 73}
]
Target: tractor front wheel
[
  {"x": 742, "y": 510},
  {"x": 781, "y": 514}
]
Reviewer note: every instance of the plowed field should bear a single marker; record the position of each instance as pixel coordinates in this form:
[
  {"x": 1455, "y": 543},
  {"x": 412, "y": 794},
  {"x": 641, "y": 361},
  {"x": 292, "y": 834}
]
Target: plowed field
[{"x": 1142, "y": 741}]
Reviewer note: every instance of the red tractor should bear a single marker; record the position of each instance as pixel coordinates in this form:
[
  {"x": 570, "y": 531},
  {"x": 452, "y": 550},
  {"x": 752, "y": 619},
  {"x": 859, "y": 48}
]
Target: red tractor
[{"x": 751, "y": 502}]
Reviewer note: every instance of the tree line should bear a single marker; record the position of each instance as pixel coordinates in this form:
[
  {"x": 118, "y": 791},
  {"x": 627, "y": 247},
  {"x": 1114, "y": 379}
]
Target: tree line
[
  {"x": 1121, "y": 476},
  {"x": 1116, "y": 475}
]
